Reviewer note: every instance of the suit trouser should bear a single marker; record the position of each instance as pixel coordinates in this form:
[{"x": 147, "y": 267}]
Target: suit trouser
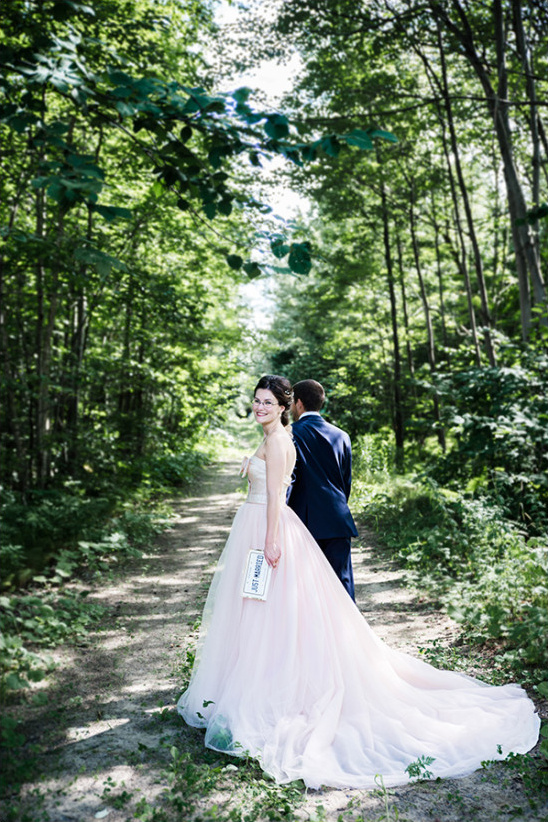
[{"x": 337, "y": 552}]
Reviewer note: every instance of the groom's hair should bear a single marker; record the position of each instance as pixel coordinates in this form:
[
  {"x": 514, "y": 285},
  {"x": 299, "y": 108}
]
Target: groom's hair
[{"x": 310, "y": 393}]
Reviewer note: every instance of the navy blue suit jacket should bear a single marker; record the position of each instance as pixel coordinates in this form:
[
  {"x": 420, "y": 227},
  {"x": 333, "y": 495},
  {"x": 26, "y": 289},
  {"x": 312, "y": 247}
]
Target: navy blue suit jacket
[{"x": 322, "y": 478}]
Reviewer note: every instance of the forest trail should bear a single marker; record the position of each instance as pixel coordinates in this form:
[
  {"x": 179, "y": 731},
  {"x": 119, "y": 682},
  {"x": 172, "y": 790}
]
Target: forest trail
[{"x": 109, "y": 723}]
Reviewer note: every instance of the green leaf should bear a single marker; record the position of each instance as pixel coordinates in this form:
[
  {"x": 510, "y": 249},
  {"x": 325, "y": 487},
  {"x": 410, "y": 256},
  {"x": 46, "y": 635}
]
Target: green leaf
[
  {"x": 186, "y": 134},
  {"x": 234, "y": 261},
  {"x": 126, "y": 109},
  {"x": 308, "y": 153},
  {"x": 242, "y": 94},
  {"x": 383, "y": 135},
  {"x": 21, "y": 122},
  {"x": 277, "y": 126},
  {"x": 542, "y": 688},
  {"x": 210, "y": 209},
  {"x": 329, "y": 144},
  {"x": 15, "y": 683},
  {"x": 119, "y": 77},
  {"x": 112, "y": 213},
  {"x": 169, "y": 174},
  {"x": 40, "y": 182},
  {"x": 359, "y": 138},
  {"x": 279, "y": 248},
  {"x": 216, "y": 154},
  {"x": 535, "y": 214},
  {"x": 252, "y": 270},
  {"x": 300, "y": 258},
  {"x": 225, "y": 206},
  {"x": 292, "y": 154},
  {"x": 104, "y": 263},
  {"x": 191, "y": 106}
]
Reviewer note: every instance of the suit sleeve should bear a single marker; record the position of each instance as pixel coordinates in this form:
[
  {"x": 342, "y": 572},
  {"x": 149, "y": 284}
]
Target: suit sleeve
[{"x": 347, "y": 468}]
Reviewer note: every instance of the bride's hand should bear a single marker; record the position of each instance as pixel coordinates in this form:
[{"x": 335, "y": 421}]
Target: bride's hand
[
  {"x": 244, "y": 466},
  {"x": 272, "y": 554}
]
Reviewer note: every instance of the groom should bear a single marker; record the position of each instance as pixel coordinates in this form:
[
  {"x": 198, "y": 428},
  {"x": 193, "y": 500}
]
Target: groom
[{"x": 321, "y": 487}]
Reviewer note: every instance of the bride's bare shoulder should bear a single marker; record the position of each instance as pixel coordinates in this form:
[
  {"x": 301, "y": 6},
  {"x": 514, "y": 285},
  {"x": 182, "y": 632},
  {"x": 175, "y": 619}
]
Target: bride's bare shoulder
[
  {"x": 280, "y": 442},
  {"x": 286, "y": 442}
]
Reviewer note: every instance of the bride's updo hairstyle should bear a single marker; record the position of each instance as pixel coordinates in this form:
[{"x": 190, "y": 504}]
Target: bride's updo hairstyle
[{"x": 281, "y": 388}]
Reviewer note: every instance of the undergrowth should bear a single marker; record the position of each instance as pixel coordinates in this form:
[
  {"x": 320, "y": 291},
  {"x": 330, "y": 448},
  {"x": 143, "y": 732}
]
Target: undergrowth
[
  {"x": 62, "y": 536},
  {"x": 489, "y": 575}
]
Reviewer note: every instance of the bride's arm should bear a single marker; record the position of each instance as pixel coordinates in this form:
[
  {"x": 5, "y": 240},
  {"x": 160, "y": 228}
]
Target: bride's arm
[{"x": 275, "y": 468}]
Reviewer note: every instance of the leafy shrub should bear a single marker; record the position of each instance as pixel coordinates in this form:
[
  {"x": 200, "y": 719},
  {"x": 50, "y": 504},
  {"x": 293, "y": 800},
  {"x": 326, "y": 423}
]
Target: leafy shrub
[
  {"x": 100, "y": 545},
  {"x": 373, "y": 455},
  {"x": 424, "y": 524},
  {"x": 12, "y": 558},
  {"x": 53, "y": 536},
  {"x": 49, "y": 619},
  {"x": 174, "y": 469},
  {"x": 41, "y": 621},
  {"x": 508, "y": 600},
  {"x": 138, "y": 528},
  {"x": 497, "y": 418},
  {"x": 45, "y": 522},
  {"x": 489, "y": 575},
  {"x": 74, "y": 526},
  {"x": 52, "y": 615},
  {"x": 18, "y": 665}
]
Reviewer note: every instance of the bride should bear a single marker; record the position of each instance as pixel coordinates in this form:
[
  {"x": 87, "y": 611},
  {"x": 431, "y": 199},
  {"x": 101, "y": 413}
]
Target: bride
[{"x": 299, "y": 680}]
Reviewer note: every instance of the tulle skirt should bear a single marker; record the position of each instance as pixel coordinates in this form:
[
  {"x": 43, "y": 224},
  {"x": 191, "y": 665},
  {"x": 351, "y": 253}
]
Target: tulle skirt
[{"x": 302, "y": 683}]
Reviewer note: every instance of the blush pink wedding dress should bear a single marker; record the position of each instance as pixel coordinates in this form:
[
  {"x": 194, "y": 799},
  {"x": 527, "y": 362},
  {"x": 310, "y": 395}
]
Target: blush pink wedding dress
[{"x": 302, "y": 683}]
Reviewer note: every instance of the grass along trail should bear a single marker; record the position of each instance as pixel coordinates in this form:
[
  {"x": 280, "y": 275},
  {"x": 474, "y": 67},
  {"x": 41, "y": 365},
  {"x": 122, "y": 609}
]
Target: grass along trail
[{"x": 110, "y": 745}]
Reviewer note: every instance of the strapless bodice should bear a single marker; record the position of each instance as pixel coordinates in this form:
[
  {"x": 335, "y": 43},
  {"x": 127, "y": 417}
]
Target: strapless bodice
[{"x": 256, "y": 474}]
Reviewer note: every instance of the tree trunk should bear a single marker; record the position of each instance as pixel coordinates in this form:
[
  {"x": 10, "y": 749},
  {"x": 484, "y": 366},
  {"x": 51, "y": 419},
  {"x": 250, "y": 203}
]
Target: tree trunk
[
  {"x": 527, "y": 258},
  {"x": 441, "y": 87},
  {"x": 431, "y": 349},
  {"x": 478, "y": 262},
  {"x": 460, "y": 257},
  {"x": 13, "y": 422},
  {"x": 398, "y": 422},
  {"x": 409, "y": 351},
  {"x": 437, "y": 235},
  {"x": 526, "y": 58}
]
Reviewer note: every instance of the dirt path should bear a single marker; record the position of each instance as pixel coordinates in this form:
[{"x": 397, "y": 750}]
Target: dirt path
[{"x": 109, "y": 723}]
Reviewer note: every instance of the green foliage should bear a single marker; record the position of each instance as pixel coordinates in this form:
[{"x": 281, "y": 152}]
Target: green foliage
[
  {"x": 531, "y": 770},
  {"x": 490, "y": 576},
  {"x": 201, "y": 786},
  {"x": 39, "y": 620},
  {"x": 18, "y": 665},
  {"x": 508, "y": 602},
  {"x": 113, "y": 338},
  {"x": 498, "y": 419},
  {"x": 62, "y": 531},
  {"x": 90, "y": 547},
  {"x": 51, "y": 618},
  {"x": 373, "y": 456},
  {"x": 185, "y": 133},
  {"x": 258, "y": 797},
  {"x": 121, "y": 330},
  {"x": 419, "y": 768},
  {"x": 42, "y": 523}
]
